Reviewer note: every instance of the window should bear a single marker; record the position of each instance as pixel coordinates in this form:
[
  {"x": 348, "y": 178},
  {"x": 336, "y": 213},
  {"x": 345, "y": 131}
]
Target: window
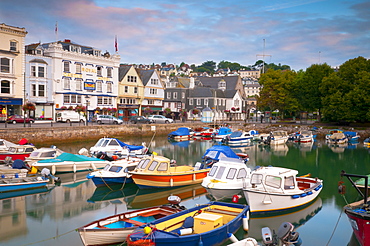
[
  {"x": 126, "y": 89},
  {"x": 13, "y": 46},
  {"x": 206, "y": 101},
  {"x": 67, "y": 83},
  {"x": 256, "y": 179},
  {"x": 131, "y": 78},
  {"x": 66, "y": 66},
  {"x": 273, "y": 181},
  {"x": 182, "y": 95},
  {"x": 33, "y": 71},
  {"x": 289, "y": 183},
  {"x": 73, "y": 99},
  {"x": 5, "y": 86},
  {"x": 242, "y": 174},
  {"x": 175, "y": 95},
  {"x": 231, "y": 173},
  {"x": 144, "y": 163},
  {"x": 154, "y": 81},
  {"x": 98, "y": 71},
  {"x": 190, "y": 101},
  {"x": 33, "y": 90},
  {"x": 220, "y": 172},
  {"x": 41, "y": 90},
  {"x": 135, "y": 89},
  {"x": 78, "y": 84},
  {"x": 5, "y": 65},
  {"x": 66, "y": 99},
  {"x": 41, "y": 72},
  {"x": 213, "y": 171},
  {"x": 100, "y": 100},
  {"x": 153, "y": 166},
  {"x": 109, "y": 87},
  {"x": 150, "y": 102},
  {"x": 168, "y": 95},
  {"x": 162, "y": 166},
  {"x": 99, "y": 86},
  {"x": 109, "y": 72},
  {"x": 199, "y": 101},
  {"x": 78, "y": 67},
  {"x": 153, "y": 91}
]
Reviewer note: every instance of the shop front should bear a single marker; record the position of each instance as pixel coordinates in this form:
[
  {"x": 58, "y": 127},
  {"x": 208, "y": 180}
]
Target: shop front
[
  {"x": 10, "y": 106},
  {"x": 126, "y": 111}
]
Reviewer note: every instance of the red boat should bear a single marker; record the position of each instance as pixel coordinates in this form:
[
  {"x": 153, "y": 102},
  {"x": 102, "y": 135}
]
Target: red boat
[
  {"x": 358, "y": 212},
  {"x": 17, "y": 152}
]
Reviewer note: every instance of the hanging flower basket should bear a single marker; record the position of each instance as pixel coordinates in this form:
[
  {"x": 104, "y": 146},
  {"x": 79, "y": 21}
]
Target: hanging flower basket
[
  {"x": 80, "y": 108},
  {"x": 167, "y": 110},
  {"x": 70, "y": 108},
  {"x": 63, "y": 108},
  {"x": 148, "y": 111},
  {"x": 227, "y": 111},
  {"x": 195, "y": 111},
  {"x": 183, "y": 113},
  {"x": 233, "y": 109},
  {"x": 29, "y": 106}
]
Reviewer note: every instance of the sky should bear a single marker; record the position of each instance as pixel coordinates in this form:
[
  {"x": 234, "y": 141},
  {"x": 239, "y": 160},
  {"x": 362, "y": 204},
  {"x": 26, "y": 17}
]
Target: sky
[{"x": 297, "y": 33}]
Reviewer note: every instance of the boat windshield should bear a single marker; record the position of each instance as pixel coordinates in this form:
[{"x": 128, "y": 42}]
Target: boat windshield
[
  {"x": 273, "y": 181},
  {"x": 213, "y": 171},
  {"x": 115, "y": 169},
  {"x": 220, "y": 172},
  {"x": 231, "y": 173},
  {"x": 242, "y": 173},
  {"x": 289, "y": 183}
]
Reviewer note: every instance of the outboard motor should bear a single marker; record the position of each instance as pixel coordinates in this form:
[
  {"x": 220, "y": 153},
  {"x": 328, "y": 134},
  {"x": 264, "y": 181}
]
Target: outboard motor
[
  {"x": 287, "y": 235},
  {"x": 175, "y": 202}
]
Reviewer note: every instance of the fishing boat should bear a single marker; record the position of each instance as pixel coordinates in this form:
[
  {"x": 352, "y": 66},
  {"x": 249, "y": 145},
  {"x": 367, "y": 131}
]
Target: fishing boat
[
  {"x": 42, "y": 154},
  {"x": 239, "y": 138},
  {"x": 67, "y": 162},
  {"x": 221, "y": 133},
  {"x": 277, "y": 189},
  {"x": 227, "y": 178},
  {"x": 115, "y": 172},
  {"x": 14, "y": 184},
  {"x": 115, "y": 229},
  {"x": 181, "y": 134},
  {"x": 117, "y": 147},
  {"x": 161, "y": 172},
  {"x": 206, "y": 224},
  {"x": 360, "y": 183},
  {"x": 337, "y": 138},
  {"x": 276, "y": 138},
  {"x": 304, "y": 136},
  {"x": 17, "y": 152},
  {"x": 358, "y": 212},
  {"x": 331, "y": 132}
]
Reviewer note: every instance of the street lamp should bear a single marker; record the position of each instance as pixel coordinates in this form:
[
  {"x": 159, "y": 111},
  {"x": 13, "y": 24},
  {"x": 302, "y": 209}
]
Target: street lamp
[{"x": 87, "y": 97}]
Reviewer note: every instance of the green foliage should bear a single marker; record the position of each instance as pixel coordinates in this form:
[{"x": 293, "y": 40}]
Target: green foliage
[{"x": 208, "y": 66}]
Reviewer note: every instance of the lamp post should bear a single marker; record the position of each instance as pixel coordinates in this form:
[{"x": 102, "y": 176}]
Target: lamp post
[{"x": 87, "y": 110}]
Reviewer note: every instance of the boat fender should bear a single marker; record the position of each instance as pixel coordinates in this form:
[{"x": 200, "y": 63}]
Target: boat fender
[
  {"x": 200, "y": 242},
  {"x": 185, "y": 231},
  {"x": 236, "y": 198},
  {"x": 245, "y": 222},
  {"x": 232, "y": 238},
  {"x": 147, "y": 230},
  {"x": 89, "y": 176}
]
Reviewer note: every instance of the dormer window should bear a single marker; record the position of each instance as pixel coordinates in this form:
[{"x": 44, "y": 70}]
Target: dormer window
[{"x": 222, "y": 85}]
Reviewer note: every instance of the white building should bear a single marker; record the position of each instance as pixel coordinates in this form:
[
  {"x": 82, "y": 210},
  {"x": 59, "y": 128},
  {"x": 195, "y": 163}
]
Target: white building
[
  {"x": 153, "y": 91},
  {"x": 83, "y": 76}
]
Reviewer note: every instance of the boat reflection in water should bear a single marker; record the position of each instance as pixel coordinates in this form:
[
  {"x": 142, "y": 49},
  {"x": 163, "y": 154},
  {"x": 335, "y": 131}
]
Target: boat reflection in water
[
  {"x": 118, "y": 192},
  {"x": 155, "y": 197},
  {"x": 297, "y": 218}
]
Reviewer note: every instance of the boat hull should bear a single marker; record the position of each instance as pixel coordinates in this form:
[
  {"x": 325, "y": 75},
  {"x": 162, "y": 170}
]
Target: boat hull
[
  {"x": 100, "y": 181},
  {"x": 22, "y": 185},
  {"x": 21, "y": 156},
  {"x": 360, "y": 222},
  {"x": 67, "y": 167},
  {"x": 169, "y": 180},
  {"x": 261, "y": 202}
]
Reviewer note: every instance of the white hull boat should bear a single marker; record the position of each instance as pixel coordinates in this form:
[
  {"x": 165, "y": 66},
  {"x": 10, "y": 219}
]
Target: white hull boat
[{"x": 278, "y": 189}]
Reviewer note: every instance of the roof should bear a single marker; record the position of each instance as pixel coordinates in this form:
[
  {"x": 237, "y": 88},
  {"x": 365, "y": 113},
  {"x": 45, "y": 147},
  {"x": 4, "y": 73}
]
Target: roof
[
  {"x": 145, "y": 75},
  {"x": 123, "y": 70},
  {"x": 231, "y": 81}
]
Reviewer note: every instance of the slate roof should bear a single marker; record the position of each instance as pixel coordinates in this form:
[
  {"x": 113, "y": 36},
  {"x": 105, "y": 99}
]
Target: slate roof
[
  {"x": 145, "y": 75},
  {"x": 123, "y": 70},
  {"x": 231, "y": 81}
]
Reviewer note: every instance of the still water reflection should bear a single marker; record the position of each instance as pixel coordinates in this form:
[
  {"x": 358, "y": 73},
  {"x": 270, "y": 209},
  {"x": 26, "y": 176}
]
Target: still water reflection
[{"x": 50, "y": 216}]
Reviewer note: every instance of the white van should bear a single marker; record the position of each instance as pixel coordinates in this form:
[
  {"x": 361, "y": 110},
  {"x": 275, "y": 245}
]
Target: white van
[{"x": 70, "y": 116}]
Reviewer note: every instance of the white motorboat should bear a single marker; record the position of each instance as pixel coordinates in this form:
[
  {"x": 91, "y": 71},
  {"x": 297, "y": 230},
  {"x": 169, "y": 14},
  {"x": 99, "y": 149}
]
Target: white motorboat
[
  {"x": 42, "y": 154},
  {"x": 277, "y": 137},
  {"x": 279, "y": 189},
  {"x": 227, "y": 177},
  {"x": 117, "y": 147}
]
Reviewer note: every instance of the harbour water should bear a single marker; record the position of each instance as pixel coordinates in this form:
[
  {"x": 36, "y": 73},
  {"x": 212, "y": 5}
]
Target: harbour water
[{"x": 50, "y": 217}]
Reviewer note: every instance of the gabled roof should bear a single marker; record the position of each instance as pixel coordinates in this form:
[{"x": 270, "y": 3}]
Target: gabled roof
[
  {"x": 145, "y": 75},
  {"x": 231, "y": 81},
  {"x": 123, "y": 70},
  {"x": 230, "y": 93}
]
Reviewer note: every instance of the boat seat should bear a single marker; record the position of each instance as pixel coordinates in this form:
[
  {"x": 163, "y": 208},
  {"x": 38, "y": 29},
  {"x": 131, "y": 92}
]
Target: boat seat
[
  {"x": 155, "y": 213},
  {"x": 134, "y": 222}
]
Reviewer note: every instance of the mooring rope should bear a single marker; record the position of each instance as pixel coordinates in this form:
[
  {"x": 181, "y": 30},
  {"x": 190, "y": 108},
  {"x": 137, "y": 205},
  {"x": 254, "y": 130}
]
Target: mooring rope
[
  {"x": 50, "y": 238},
  {"x": 336, "y": 225}
]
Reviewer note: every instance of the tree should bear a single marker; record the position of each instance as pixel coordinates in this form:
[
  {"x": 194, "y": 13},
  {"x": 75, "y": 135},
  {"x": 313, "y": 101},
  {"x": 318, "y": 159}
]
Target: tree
[
  {"x": 346, "y": 93},
  {"x": 208, "y": 66}
]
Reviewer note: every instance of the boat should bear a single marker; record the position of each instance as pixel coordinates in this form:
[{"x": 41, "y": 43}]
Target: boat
[
  {"x": 16, "y": 152},
  {"x": 5, "y": 144},
  {"x": 115, "y": 229},
  {"x": 206, "y": 224},
  {"x": 216, "y": 152},
  {"x": 337, "y": 138},
  {"x": 274, "y": 189},
  {"x": 238, "y": 138},
  {"x": 331, "y": 132},
  {"x": 42, "y": 154},
  {"x": 116, "y": 147},
  {"x": 358, "y": 212},
  {"x": 276, "y": 138},
  {"x": 161, "y": 172},
  {"x": 367, "y": 142},
  {"x": 353, "y": 137},
  {"x": 227, "y": 178},
  {"x": 115, "y": 172},
  {"x": 15, "y": 184},
  {"x": 8, "y": 172},
  {"x": 26, "y": 192},
  {"x": 181, "y": 134},
  {"x": 304, "y": 136},
  {"x": 221, "y": 133},
  {"x": 67, "y": 162},
  {"x": 203, "y": 132}
]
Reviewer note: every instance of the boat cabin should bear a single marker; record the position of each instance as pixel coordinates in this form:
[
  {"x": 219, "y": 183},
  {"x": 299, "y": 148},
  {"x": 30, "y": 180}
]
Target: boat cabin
[
  {"x": 161, "y": 164},
  {"x": 228, "y": 169},
  {"x": 115, "y": 146},
  {"x": 274, "y": 178}
]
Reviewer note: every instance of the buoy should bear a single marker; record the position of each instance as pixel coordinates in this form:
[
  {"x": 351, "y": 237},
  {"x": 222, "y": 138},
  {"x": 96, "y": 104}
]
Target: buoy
[
  {"x": 245, "y": 222},
  {"x": 33, "y": 170},
  {"x": 236, "y": 198},
  {"x": 147, "y": 230},
  {"x": 232, "y": 238}
]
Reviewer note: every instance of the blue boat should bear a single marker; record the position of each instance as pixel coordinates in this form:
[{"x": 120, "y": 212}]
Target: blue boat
[
  {"x": 15, "y": 184},
  {"x": 217, "y": 151},
  {"x": 182, "y": 133},
  {"x": 353, "y": 137},
  {"x": 207, "y": 224},
  {"x": 222, "y": 133},
  {"x": 239, "y": 137}
]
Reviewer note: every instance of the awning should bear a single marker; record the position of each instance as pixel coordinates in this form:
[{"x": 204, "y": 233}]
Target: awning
[{"x": 10, "y": 101}]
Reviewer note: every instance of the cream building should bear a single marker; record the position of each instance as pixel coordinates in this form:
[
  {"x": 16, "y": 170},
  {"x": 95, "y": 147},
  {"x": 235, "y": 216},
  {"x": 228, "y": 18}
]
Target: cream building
[{"x": 12, "y": 70}]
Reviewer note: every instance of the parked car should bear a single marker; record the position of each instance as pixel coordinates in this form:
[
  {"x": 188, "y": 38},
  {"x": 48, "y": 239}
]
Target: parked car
[
  {"x": 140, "y": 119},
  {"x": 19, "y": 119},
  {"x": 160, "y": 119},
  {"x": 107, "y": 119}
]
